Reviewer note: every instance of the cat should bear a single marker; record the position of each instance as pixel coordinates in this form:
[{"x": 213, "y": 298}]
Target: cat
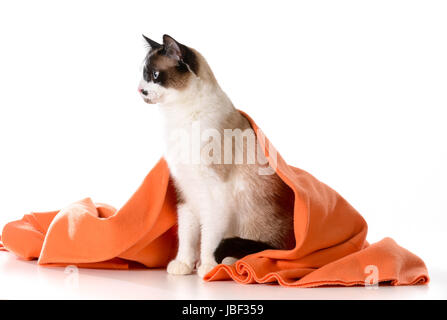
[{"x": 225, "y": 210}]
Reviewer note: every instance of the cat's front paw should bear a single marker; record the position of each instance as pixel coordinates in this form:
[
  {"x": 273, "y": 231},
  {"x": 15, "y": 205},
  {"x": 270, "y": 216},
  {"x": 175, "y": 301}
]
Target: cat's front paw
[
  {"x": 205, "y": 268},
  {"x": 178, "y": 267}
]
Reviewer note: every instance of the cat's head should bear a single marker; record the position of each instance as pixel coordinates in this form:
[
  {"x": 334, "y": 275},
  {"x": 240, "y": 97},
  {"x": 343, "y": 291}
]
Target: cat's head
[{"x": 170, "y": 70}]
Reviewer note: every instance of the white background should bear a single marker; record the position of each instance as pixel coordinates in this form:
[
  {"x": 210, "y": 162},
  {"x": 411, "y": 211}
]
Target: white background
[{"x": 352, "y": 91}]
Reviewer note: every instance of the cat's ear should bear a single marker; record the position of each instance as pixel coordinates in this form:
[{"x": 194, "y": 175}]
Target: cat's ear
[
  {"x": 172, "y": 48},
  {"x": 151, "y": 43}
]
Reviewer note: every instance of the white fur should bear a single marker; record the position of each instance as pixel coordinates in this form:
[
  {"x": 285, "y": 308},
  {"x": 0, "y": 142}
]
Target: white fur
[
  {"x": 206, "y": 211},
  {"x": 154, "y": 91}
]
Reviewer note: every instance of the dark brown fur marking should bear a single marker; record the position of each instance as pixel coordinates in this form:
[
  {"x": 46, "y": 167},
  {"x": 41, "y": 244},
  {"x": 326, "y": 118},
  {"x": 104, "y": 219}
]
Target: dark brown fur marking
[{"x": 173, "y": 73}]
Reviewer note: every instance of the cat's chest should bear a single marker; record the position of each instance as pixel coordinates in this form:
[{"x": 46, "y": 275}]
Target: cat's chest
[
  {"x": 183, "y": 155},
  {"x": 184, "y": 142}
]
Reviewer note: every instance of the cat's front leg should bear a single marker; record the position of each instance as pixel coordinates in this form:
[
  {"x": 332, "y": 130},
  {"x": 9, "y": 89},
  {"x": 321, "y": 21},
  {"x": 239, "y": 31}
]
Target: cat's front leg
[
  {"x": 214, "y": 226},
  {"x": 189, "y": 235}
]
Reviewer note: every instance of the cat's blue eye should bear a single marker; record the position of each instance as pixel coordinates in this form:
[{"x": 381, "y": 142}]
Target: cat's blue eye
[{"x": 155, "y": 74}]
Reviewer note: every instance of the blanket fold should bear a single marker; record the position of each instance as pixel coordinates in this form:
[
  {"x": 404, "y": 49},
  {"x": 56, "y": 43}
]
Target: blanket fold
[{"x": 331, "y": 246}]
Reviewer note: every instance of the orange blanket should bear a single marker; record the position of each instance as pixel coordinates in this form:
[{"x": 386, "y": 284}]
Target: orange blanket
[{"x": 331, "y": 246}]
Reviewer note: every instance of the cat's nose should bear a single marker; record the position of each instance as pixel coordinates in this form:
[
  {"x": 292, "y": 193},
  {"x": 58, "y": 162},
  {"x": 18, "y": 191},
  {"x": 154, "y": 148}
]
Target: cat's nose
[{"x": 143, "y": 92}]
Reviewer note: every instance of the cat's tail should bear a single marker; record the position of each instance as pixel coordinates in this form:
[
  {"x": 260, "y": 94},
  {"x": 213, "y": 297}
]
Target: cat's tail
[{"x": 238, "y": 248}]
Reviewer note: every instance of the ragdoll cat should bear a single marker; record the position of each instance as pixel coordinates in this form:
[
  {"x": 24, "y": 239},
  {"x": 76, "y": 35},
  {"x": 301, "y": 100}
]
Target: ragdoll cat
[{"x": 225, "y": 208}]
